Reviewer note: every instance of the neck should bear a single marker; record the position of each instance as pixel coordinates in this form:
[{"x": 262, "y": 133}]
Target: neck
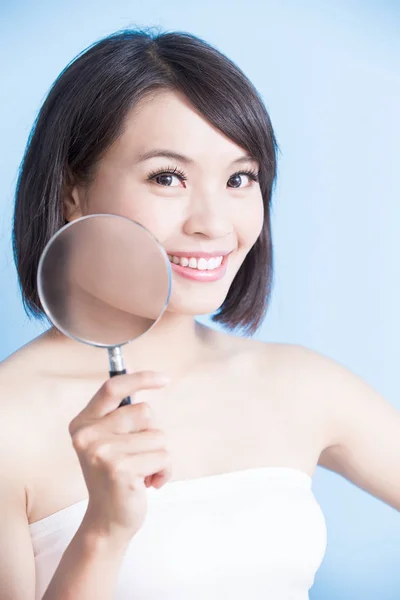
[
  {"x": 169, "y": 345},
  {"x": 172, "y": 345}
]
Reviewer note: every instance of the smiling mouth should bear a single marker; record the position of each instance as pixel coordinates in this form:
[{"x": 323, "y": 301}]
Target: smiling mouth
[
  {"x": 199, "y": 264},
  {"x": 200, "y": 268}
]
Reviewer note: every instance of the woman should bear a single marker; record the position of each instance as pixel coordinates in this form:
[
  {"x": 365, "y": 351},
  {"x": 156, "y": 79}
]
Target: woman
[{"x": 202, "y": 487}]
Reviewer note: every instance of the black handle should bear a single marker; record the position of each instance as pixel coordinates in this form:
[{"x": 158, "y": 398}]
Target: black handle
[{"x": 126, "y": 400}]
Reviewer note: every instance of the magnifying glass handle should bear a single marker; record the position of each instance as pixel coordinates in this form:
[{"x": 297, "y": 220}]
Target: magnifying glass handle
[
  {"x": 117, "y": 368},
  {"x": 126, "y": 400}
]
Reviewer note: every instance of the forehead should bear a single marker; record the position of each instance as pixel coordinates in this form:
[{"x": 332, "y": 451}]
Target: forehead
[{"x": 166, "y": 119}]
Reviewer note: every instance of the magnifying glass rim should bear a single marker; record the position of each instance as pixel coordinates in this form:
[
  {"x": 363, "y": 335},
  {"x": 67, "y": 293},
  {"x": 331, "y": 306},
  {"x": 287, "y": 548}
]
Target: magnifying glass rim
[{"x": 42, "y": 296}]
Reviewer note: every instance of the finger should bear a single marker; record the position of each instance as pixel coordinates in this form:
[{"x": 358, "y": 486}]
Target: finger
[
  {"x": 146, "y": 464},
  {"x": 109, "y": 396},
  {"x": 159, "y": 479},
  {"x": 129, "y": 418},
  {"x": 128, "y": 443}
]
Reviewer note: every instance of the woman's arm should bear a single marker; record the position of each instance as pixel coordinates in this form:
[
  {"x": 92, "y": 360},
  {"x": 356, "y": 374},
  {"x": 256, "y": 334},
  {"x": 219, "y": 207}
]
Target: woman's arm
[
  {"x": 17, "y": 564},
  {"x": 89, "y": 566},
  {"x": 364, "y": 429}
]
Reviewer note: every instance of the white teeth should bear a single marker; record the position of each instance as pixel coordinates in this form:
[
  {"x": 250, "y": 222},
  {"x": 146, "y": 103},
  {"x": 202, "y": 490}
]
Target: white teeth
[{"x": 202, "y": 264}]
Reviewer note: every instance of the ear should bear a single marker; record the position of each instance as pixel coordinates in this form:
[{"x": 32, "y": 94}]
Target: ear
[{"x": 72, "y": 202}]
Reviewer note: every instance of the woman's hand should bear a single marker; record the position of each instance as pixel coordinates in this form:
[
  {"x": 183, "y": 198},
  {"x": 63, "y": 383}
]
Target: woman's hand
[{"x": 120, "y": 453}]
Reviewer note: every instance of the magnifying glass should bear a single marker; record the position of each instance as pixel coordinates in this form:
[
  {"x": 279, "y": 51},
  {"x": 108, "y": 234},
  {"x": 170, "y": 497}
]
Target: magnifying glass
[{"x": 104, "y": 280}]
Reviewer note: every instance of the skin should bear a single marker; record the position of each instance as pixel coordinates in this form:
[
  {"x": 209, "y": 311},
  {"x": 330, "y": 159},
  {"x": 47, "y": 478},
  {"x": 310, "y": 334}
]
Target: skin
[{"x": 233, "y": 403}]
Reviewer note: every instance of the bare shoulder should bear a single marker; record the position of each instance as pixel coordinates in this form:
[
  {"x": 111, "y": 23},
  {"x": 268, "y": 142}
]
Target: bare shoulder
[
  {"x": 14, "y": 419},
  {"x": 347, "y": 407},
  {"x": 283, "y": 365},
  {"x": 307, "y": 381},
  {"x": 291, "y": 361},
  {"x": 17, "y": 373},
  {"x": 21, "y": 385},
  {"x": 321, "y": 377}
]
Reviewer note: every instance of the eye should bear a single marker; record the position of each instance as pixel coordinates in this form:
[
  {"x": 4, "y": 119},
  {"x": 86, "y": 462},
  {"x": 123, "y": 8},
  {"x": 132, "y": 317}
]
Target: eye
[
  {"x": 164, "y": 177},
  {"x": 237, "y": 177}
]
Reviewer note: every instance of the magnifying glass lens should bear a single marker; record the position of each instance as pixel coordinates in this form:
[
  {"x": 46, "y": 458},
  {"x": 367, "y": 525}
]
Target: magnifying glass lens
[{"x": 104, "y": 280}]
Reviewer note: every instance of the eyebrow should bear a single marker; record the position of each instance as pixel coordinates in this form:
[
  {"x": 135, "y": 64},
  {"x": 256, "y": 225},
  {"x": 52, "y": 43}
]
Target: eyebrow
[{"x": 185, "y": 159}]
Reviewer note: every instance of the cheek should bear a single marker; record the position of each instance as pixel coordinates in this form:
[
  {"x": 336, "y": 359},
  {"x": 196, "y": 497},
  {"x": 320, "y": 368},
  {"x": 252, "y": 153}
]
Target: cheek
[
  {"x": 249, "y": 224},
  {"x": 155, "y": 217},
  {"x": 118, "y": 196}
]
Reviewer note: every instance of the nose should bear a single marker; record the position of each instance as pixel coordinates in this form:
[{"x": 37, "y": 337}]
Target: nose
[{"x": 207, "y": 217}]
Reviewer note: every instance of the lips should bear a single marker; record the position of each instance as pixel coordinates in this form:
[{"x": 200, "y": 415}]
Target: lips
[
  {"x": 203, "y": 266},
  {"x": 199, "y": 254}
]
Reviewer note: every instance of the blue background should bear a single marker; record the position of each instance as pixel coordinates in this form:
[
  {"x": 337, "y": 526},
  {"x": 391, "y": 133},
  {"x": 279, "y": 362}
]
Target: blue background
[{"x": 329, "y": 74}]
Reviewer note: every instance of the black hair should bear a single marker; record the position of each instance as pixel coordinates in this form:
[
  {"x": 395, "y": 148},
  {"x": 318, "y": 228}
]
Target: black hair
[{"x": 84, "y": 114}]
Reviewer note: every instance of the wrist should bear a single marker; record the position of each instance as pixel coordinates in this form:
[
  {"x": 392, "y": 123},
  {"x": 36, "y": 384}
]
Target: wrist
[{"x": 101, "y": 539}]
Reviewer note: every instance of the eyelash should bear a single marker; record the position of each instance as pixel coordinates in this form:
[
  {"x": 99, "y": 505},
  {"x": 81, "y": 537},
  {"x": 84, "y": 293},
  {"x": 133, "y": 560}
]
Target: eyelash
[{"x": 253, "y": 175}]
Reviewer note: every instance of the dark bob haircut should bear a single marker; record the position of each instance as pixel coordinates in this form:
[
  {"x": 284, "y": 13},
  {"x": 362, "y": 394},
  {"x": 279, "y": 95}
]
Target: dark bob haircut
[{"x": 84, "y": 113}]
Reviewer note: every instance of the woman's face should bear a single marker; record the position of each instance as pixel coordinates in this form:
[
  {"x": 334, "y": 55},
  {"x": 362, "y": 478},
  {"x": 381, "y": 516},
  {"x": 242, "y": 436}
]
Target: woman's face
[{"x": 207, "y": 206}]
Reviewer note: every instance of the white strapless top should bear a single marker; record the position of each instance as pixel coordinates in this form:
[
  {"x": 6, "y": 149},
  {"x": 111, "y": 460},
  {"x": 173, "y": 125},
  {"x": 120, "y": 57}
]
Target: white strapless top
[{"x": 249, "y": 535}]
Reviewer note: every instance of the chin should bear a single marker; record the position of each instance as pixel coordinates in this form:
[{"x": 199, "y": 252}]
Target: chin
[
  {"x": 200, "y": 298},
  {"x": 202, "y": 305}
]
